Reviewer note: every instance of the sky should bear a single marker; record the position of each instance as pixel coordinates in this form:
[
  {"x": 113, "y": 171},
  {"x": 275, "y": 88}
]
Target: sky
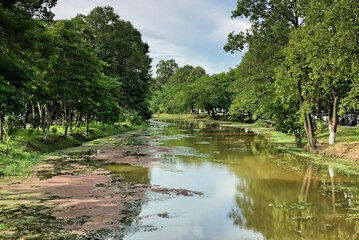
[{"x": 191, "y": 32}]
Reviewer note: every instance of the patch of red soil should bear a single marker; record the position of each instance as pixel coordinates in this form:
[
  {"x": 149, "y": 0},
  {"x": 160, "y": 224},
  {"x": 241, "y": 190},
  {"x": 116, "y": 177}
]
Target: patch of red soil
[
  {"x": 90, "y": 195},
  {"x": 116, "y": 156}
]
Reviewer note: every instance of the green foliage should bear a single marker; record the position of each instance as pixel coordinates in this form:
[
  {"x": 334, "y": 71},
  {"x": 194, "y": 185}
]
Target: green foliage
[
  {"x": 11, "y": 126},
  {"x": 95, "y": 67},
  {"x": 119, "y": 44},
  {"x": 165, "y": 70},
  {"x": 292, "y": 69},
  {"x": 191, "y": 89},
  {"x": 29, "y": 132},
  {"x": 36, "y": 122},
  {"x": 16, "y": 162},
  {"x": 53, "y": 130},
  {"x": 134, "y": 118},
  {"x": 212, "y": 92},
  {"x": 320, "y": 126}
]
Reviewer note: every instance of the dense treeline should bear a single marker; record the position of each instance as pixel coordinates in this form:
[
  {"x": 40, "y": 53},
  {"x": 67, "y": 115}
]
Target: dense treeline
[
  {"x": 301, "y": 61},
  {"x": 190, "y": 89},
  {"x": 89, "y": 68}
]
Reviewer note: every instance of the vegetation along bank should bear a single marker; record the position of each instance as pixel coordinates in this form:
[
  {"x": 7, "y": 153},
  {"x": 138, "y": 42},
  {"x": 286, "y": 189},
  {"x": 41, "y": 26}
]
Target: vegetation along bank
[
  {"x": 343, "y": 156},
  {"x": 66, "y": 81},
  {"x": 300, "y": 78}
]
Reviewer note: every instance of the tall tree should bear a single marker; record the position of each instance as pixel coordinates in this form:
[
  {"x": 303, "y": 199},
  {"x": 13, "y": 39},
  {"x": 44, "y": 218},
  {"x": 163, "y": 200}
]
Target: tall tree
[
  {"x": 120, "y": 45},
  {"x": 272, "y": 21},
  {"x": 332, "y": 52},
  {"x": 19, "y": 30},
  {"x": 165, "y": 70},
  {"x": 212, "y": 92}
]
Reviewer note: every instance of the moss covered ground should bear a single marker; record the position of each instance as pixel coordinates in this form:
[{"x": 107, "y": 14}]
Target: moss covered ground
[{"x": 27, "y": 147}]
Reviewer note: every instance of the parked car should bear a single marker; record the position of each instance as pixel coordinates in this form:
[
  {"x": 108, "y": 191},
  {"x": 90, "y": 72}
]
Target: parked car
[
  {"x": 325, "y": 117},
  {"x": 351, "y": 120},
  {"x": 341, "y": 120}
]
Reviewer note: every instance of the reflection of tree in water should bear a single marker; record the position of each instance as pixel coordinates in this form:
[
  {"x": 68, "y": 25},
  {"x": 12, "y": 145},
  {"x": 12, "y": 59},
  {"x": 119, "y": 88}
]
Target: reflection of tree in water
[
  {"x": 136, "y": 174},
  {"x": 282, "y": 207},
  {"x": 224, "y": 144},
  {"x": 268, "y": 199}
]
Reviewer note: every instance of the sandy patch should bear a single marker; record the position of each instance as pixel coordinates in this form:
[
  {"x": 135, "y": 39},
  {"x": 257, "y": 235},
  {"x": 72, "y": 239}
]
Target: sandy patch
[{"x": 345, "y": 150}]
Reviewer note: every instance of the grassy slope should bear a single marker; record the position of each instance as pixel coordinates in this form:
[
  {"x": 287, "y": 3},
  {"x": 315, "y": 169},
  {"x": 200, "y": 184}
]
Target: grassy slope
[
  {"x": 287, "y": 142},
  {"x": 344, "y": 134},
  {"x": 26, "y": 150}
]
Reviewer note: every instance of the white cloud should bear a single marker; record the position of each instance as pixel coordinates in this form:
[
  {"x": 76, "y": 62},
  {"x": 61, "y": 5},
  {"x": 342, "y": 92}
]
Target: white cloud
[
  {"x": 189, "y": 31},
  {"x": 227, "y": 26}
]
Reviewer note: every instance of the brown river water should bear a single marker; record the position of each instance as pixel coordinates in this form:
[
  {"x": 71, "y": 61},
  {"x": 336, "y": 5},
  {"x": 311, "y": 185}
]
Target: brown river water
[{"x": 188, "y": 179}]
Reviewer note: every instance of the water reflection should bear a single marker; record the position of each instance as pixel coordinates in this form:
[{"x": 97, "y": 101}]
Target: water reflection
[
  {"x": 307, "y": 180},
  {"x": 331, "y": 174},
  {"x": 131, "y": 173},
  {"x": 249, "y": 191}
]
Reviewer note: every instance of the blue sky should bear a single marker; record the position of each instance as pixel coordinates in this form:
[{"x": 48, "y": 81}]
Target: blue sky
[{"x": 190, "y": 31}]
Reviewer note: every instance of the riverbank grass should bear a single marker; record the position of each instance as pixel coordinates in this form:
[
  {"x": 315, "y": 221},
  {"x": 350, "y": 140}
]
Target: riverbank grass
[
  {"x": 344, "y": 134},
  {"x": 27, "y": 147}
]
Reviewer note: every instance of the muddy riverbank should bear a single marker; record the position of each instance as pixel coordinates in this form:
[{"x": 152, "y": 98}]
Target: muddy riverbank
[{"x": 84, "y": 191}]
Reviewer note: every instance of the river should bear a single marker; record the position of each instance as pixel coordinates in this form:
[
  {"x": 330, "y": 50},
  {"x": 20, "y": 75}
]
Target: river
[
  {"x": 250, "y": 189},
  {"x": 193, "y": 179}
]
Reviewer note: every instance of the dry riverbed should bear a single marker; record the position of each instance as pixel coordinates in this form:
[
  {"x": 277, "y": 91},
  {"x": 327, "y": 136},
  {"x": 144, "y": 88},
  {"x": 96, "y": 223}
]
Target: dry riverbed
[{"x": 72, "y": 195}]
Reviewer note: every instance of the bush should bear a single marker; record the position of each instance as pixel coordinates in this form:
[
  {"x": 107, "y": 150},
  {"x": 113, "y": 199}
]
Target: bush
[
  {"x": 320, "y": 126},
  {"x": 134, "y": 118},
  {"x": 260, "y": 123},
  {"x": 53, "y": 130}
]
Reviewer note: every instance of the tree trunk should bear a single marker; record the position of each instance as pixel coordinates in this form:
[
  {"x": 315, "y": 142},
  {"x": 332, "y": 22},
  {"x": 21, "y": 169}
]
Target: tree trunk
[
  {"x": 333, "y": 117},
  {"x": 87, "y": 125},
  {"x": 1, "y": 128},
  {"x": 64, "y": 116},
  {"x": 78, "y": 119},
  {"x": 311, "y": 137},
  {"x": 298, "y": 138},
  {"x": 214, "y": 114},
  {"x": 24, "y": 116},
  {"x": 63, "y": 121},
  {"x": 40, "y": 109},
  {"x": 53, "y": 108},
  {"x": 24, "y": 120},
  {"x": 68, "y": 113},
  {"x": 308, "y": 125},
  {"x": 45, "y": 112},
  {"x": 56, "y": 118},
  {"x": 71, "y": 119},
  {"x": 79, "y": 124},
  {"x": 33, "y": 110}
]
